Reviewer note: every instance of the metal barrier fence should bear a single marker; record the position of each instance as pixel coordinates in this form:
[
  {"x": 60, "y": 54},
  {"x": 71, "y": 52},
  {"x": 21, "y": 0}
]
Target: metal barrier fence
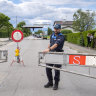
[
  {"x": 3, "y": 56},
  {"x": 68, "y": 61}
]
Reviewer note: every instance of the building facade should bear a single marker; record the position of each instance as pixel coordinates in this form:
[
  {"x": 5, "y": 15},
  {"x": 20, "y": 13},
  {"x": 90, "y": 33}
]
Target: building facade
[{"x": 66, "y": 25}]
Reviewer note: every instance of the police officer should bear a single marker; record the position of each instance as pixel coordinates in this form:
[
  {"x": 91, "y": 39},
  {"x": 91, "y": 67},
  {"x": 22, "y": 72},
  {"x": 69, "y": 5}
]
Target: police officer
[{"x": 56, "y": 45}]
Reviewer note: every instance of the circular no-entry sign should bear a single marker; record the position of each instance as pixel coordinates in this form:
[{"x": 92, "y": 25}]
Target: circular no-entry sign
[{"x": 17, "y": 35}]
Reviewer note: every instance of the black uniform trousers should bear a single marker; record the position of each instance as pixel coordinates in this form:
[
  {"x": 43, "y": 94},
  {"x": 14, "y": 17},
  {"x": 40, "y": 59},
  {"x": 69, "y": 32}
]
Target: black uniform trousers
[{"x": 49, "y": 73}]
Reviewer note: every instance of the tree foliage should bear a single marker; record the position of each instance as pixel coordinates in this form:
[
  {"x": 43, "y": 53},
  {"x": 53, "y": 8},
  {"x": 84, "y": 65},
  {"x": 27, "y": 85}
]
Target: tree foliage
[
  {"x": 20, "y": 24},
  {"x": 6, "y": 27},
  {"x": 49, "y": 31},
  {"x": 83, "y": 21},
  {"x": 39, "y": 31},
  {"x": 4, "y": 20},
  {"x": 24, "y": 30}
]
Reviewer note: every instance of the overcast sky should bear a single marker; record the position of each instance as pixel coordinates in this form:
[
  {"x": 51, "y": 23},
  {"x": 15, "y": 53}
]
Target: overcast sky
[{"x": 43, "y": 11}]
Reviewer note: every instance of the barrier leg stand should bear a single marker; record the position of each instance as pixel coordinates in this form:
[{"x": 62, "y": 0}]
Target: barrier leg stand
[
  {"x": 21, "y": 60},
  {"x": 13, "y": 61},
  {"x": 23, "y": 63},
  {"x": 18, "y": 60},
  {"x": 17, "y": 57}
]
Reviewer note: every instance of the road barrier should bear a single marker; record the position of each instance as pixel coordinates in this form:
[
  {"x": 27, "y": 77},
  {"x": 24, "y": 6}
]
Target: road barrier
[
  {"x": 3, "y": 56},
  {"x": 84, "y": 64}
]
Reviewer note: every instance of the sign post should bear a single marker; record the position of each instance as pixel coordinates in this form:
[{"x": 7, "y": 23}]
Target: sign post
[{"x": 17, "y": 36}]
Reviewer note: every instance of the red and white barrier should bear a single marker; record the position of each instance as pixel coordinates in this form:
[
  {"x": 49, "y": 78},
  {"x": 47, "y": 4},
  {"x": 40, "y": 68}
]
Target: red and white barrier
[{"x": 82, "y": 60}]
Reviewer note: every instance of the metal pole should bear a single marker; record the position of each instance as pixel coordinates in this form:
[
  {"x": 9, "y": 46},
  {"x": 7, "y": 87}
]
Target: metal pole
[
  {"x": 69, "y": 71},
  {"x": 89, "y": 71},
  {"x": 17, "y": 45},
  {"x": 16, "y": 21},
  {"x": 39, "y": 59}
]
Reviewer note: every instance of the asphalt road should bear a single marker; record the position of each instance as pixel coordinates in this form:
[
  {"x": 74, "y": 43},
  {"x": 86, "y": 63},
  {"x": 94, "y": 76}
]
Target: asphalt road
[{"x": 18, "y": 80}]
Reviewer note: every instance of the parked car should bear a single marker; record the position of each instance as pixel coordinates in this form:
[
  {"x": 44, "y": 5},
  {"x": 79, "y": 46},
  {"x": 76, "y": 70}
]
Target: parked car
[
  {"x": 38, "y": 36},
  {"x": 44, "y": 37}
]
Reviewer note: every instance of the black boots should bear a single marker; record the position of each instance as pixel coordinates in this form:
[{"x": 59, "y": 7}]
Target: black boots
[
  {"x": 55, "y": 87},
  {"x": 49, "y": 84}
]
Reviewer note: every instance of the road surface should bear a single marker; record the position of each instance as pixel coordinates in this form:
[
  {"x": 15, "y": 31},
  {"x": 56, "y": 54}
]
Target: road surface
[{"x": 17, "y": 80}]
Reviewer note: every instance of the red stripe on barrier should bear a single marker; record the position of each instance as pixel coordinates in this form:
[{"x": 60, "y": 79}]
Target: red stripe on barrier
[{"x": 77, "y": 59}]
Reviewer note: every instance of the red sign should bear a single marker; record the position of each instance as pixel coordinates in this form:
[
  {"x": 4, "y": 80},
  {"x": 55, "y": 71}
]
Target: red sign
[
  {"x": 77, "y": 59},
  {"x": 17, "y": 35}
]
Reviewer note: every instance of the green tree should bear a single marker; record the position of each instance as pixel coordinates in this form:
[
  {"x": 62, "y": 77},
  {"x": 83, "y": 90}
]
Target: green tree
[
  {"x": 39, "y": 31},
  {"x": 20, "y": 24},
  {"x": 6, "y": 27},
  {"x": 49, "y": 31},
  {"x": 83, "y": 21},
  {"x": 4, "y": 20},
  {"x": 10, "y": 28},
  {"x": 26, "y": 31}
]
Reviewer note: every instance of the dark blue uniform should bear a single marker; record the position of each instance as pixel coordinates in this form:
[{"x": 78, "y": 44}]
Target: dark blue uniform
[
  {"x": 59, "y": 39},
  {"x": 55, "y": 39}
]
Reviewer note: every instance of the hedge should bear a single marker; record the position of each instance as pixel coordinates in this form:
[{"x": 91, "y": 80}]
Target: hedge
[
  {"x": 3, "y": 34},
  {"x": 66, "y": 31},
  {"x": 81, "y": 38},
  {"x": 73, "y": 37}
]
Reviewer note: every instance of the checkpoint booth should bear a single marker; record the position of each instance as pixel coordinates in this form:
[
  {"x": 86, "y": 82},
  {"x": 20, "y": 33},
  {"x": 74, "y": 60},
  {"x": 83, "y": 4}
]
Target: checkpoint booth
[
  {"x": 71, "y": 63},
  {"x": 33, "y": 26},
  {"x": 3, "y": 56}
]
